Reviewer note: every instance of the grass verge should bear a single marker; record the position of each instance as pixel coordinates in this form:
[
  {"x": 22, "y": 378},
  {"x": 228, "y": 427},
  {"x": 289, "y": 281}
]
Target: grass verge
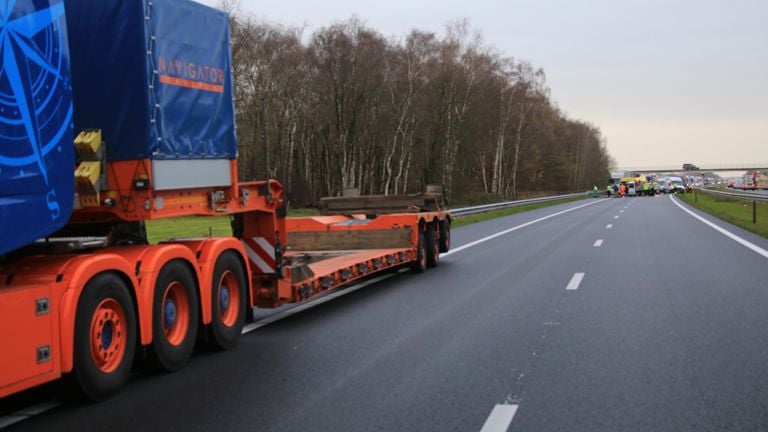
[
  {"x": 735, "y": 211},
  {"x": 164, "y": 229},
  {"x": 475, "y": 218}
]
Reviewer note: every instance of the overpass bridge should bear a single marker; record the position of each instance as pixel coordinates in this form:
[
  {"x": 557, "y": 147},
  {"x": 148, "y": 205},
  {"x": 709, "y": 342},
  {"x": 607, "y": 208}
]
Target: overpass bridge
[{"x": 707, "y": 168}]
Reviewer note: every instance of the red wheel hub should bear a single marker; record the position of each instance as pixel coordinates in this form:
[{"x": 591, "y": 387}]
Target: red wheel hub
[
  {"x": 175, "y": 314},
  {"x": 228, "y": 295},
  {"x": 108, "y": 338}
]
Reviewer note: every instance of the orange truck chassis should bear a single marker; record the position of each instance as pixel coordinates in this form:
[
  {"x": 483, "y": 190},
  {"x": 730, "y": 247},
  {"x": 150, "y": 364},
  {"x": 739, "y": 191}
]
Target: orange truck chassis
[
  {"x": 157, "y": 141},
  {"x": 88, "y": 311}
]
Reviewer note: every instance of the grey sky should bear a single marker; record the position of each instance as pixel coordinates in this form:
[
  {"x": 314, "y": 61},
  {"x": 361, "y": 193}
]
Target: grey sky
[{"x": 666, "y": 81}]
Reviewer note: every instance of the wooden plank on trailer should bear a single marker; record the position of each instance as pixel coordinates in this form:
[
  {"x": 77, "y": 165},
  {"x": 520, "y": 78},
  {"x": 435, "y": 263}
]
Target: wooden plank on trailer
[
  {"x": 382, "y": 203},
  {"x": 349, "y": 240}
]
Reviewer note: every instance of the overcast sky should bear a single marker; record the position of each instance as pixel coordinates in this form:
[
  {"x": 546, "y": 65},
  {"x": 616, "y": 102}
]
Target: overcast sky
[{"x": 667, "y": 81}]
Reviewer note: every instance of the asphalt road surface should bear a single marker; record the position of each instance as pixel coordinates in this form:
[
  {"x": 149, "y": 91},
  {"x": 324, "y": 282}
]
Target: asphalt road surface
[{"x": 598, "y": 315}]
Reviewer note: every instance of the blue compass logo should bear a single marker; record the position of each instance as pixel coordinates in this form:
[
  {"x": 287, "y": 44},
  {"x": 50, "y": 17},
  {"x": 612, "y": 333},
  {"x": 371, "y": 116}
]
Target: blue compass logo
[{"x": 35, "y": 92}]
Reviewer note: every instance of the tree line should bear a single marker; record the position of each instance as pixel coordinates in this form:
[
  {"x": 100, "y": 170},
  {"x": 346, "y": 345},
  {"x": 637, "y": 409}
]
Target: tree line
[{"x": 347, "y": 108}]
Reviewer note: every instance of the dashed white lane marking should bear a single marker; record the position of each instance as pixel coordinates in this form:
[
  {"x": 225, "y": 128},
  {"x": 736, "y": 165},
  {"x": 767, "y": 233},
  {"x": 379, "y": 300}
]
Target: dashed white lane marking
[
  {"x": 621, "y": 211},
  {"x": 500, "y": 418},
  {"x": 304, "y": 306},
  {"x": 33, "y": 410},
  {"x": 27, "y": 412},
  {"x": 609, "y": 226},
  {"x": 598, "y": 243},
  {"x": 616, "y": 217},
  {"x": 575, "y": 282},
  {"x": 507, "y": 231},
  {"x": 747, "y": 244}
]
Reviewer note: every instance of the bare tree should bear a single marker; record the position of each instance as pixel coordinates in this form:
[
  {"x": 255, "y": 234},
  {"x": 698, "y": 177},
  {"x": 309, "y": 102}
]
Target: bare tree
[{"x": 350, "y": 109}]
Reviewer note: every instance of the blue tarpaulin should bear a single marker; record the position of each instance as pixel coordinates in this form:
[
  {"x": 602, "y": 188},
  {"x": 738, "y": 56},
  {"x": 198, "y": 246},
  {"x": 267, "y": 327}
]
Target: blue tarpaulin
[
  {"x": 154, "y": 76},
  {"x": 36, "y": 151}
]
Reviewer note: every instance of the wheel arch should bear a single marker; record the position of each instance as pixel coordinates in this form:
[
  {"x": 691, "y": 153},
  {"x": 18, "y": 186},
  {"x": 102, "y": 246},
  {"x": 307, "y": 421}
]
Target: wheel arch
[
  {"x": 207, "y": 252},
  {"x": 150, "y": 262}
]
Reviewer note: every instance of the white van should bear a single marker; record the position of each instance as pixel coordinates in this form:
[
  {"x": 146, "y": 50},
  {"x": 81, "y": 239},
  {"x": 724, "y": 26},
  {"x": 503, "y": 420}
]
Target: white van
[{"x": 631, "y": 189}]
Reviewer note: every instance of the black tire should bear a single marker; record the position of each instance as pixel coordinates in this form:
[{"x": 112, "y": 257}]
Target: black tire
[
  {"x": 226, "y": 323},
  {"x": 420, "y": 265},
  {"x": 174, "y": 332},
  {"x": 445, "y": 235},
  {"x": 433, "y": 248},
  {"x": 98, "y": 382}
]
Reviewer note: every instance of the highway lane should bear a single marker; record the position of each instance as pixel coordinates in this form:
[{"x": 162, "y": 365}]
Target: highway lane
[
  {"x": 658, "y": 346},
  {"x": 664, "y": 332}
]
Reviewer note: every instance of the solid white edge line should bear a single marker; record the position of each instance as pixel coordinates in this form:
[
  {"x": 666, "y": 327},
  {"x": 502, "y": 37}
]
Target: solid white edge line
[
  {"x": 42, "y": 407},
  {"x": 10, "y": 420},
  {"x": 500, "y": 410},
  {"x": 37, "y": 408},
  {"x": 507, "y": 231},
  {"x": 598, "y": 243},
  {"x": 25, "y": 413},
  {"x": 310, "y": 304},
  {"x": 304, "y": 306},
  {"x": 575, "y": 282},
  {"x": 500, "y": 418},
  {"x": 747, "y": 244}
]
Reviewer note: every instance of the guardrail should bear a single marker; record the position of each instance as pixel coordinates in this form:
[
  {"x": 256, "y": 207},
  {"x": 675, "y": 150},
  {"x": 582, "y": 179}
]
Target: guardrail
[
  {"x": 740, "y": 195},
  {"x": 465, "y": 211}
]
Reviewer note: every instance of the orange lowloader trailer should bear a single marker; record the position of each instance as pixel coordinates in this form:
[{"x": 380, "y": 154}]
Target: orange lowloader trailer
[
  {"x": 86, "y": 305},
  {"x": 82, "y": 292}
]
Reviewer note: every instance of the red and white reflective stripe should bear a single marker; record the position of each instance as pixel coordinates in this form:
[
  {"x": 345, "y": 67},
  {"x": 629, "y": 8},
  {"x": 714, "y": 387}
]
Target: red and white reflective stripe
[{"x": 261, "y": 253}]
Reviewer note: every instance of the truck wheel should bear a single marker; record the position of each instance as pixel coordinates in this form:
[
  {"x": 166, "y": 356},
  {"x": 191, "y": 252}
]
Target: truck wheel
[
  {"x": 445, "y": 235},
  {"x": 228, "y": 303},
  {"x": 433, "y": 248},
  {"x": 420, "y": 265},
  {"x": 174, "y": 316},
  {"x": 105, "y": 337}
]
